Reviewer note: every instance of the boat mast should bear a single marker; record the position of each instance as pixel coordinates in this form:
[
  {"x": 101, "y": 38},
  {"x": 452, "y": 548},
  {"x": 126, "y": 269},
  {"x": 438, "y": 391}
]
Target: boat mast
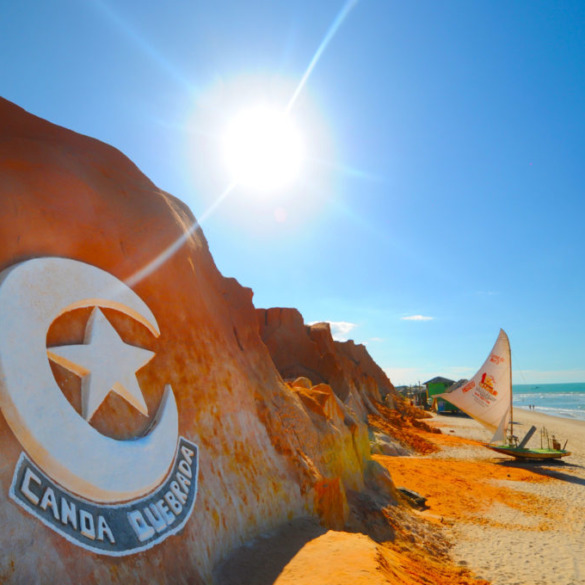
[{"x": 511, "y": 427}]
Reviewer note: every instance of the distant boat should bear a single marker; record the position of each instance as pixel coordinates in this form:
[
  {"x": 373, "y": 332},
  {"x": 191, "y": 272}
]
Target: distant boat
[{"x": 487, "y": 398}]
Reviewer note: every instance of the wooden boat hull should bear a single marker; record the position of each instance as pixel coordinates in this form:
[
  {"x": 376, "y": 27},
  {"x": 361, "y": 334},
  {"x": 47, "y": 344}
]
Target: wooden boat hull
[{"x": 533, "y": 454}]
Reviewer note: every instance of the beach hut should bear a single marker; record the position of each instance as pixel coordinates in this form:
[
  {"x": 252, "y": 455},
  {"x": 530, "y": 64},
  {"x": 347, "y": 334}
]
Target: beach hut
[{"x": 438, "y": 385}]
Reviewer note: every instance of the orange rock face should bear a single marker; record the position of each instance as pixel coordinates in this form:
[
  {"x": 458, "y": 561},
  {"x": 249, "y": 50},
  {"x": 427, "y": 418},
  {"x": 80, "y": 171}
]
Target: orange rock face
[
  {"x": 310, "y": 350},
  {"x": 267, "y": 452}
]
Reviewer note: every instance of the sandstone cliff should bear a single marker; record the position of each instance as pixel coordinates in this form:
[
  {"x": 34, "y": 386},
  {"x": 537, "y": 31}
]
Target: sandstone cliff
[
  {"x": 310, "y": 351},
  {"x": 268, "y": 452}
]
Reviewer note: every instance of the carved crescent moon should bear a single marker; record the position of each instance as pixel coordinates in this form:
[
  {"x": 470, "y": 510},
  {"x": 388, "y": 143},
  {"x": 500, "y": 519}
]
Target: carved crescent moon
[{"x": 32, "y": 295}]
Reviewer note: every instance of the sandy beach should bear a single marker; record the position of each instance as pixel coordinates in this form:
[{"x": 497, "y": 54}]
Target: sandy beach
[
  {"x": 537, "y": 539},
  {"x": 488, "y": 518}
]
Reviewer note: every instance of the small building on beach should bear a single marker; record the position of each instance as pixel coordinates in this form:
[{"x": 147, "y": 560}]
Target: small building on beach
[{"x": 439, "y": 385}]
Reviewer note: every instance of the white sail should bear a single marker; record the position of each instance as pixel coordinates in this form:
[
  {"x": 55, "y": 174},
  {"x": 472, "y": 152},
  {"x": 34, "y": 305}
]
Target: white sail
[
  {"x": 500, "y": 436},
  {"x": 487, "y": 396}
]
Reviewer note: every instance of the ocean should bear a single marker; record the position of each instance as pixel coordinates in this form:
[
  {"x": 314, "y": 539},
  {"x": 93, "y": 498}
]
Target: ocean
[{"x": 565, "y": 400}]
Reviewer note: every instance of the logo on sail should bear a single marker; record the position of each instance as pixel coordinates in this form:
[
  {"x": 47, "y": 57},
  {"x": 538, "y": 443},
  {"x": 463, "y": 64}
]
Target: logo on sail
[
  {"x": 469, "y": 386},
  {"x": 487, "y": 383}
]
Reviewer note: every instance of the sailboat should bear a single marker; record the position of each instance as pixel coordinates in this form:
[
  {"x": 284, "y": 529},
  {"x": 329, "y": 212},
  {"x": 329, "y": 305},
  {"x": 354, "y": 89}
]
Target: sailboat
[{"x": 487, "y": 398}]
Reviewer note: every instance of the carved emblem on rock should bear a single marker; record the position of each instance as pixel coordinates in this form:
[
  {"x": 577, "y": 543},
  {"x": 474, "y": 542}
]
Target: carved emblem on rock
[{"x": 111, "y": 496}]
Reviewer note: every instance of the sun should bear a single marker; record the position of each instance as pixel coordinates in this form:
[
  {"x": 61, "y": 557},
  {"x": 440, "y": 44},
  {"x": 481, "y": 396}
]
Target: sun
[{"x": 263, "y": 149}]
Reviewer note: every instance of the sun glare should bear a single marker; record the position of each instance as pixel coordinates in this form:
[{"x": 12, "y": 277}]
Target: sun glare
[{"x": 263, "y": 149}]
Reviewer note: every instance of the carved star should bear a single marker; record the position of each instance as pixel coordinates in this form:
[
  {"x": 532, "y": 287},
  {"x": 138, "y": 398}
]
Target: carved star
[{"x": 105, "y": 363}]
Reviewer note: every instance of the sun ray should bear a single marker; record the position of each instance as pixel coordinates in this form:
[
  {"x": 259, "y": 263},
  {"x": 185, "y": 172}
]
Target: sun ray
[
  {"x": 147, "y": 48},
  {"x": 173, "y": 248},
  {"x": 339, "y": 19}
]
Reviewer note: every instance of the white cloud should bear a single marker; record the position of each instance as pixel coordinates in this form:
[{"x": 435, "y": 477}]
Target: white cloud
[
  {"x": 407, "y": 376},
  {"x": 341, "y": 329},
  {"x": 401, "y": 376},
  {"x": 417, "y": 318}
]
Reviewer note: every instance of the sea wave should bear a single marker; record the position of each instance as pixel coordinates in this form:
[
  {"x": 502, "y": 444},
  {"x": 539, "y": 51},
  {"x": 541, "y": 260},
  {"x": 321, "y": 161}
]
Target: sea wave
[
  {"x": 563, "y": 402},
  {"x": 546, "y": 395},
  {"x": 562, "y": 412}
]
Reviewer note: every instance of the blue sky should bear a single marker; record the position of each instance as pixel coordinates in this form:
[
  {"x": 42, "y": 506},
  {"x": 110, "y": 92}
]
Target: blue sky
[{"x": 442, "y": 194}]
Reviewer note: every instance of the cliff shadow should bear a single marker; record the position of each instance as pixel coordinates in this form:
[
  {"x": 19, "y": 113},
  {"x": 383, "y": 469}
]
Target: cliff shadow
[{"x": 260, "y": 562}]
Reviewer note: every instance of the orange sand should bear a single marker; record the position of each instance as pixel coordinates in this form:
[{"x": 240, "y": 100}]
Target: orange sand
[
  {"x": 341, "y": 558},
  {"x": 462, "y": 490},
  {"x": 416, "y": 555},
  {"x": 303, "y": 553}
]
